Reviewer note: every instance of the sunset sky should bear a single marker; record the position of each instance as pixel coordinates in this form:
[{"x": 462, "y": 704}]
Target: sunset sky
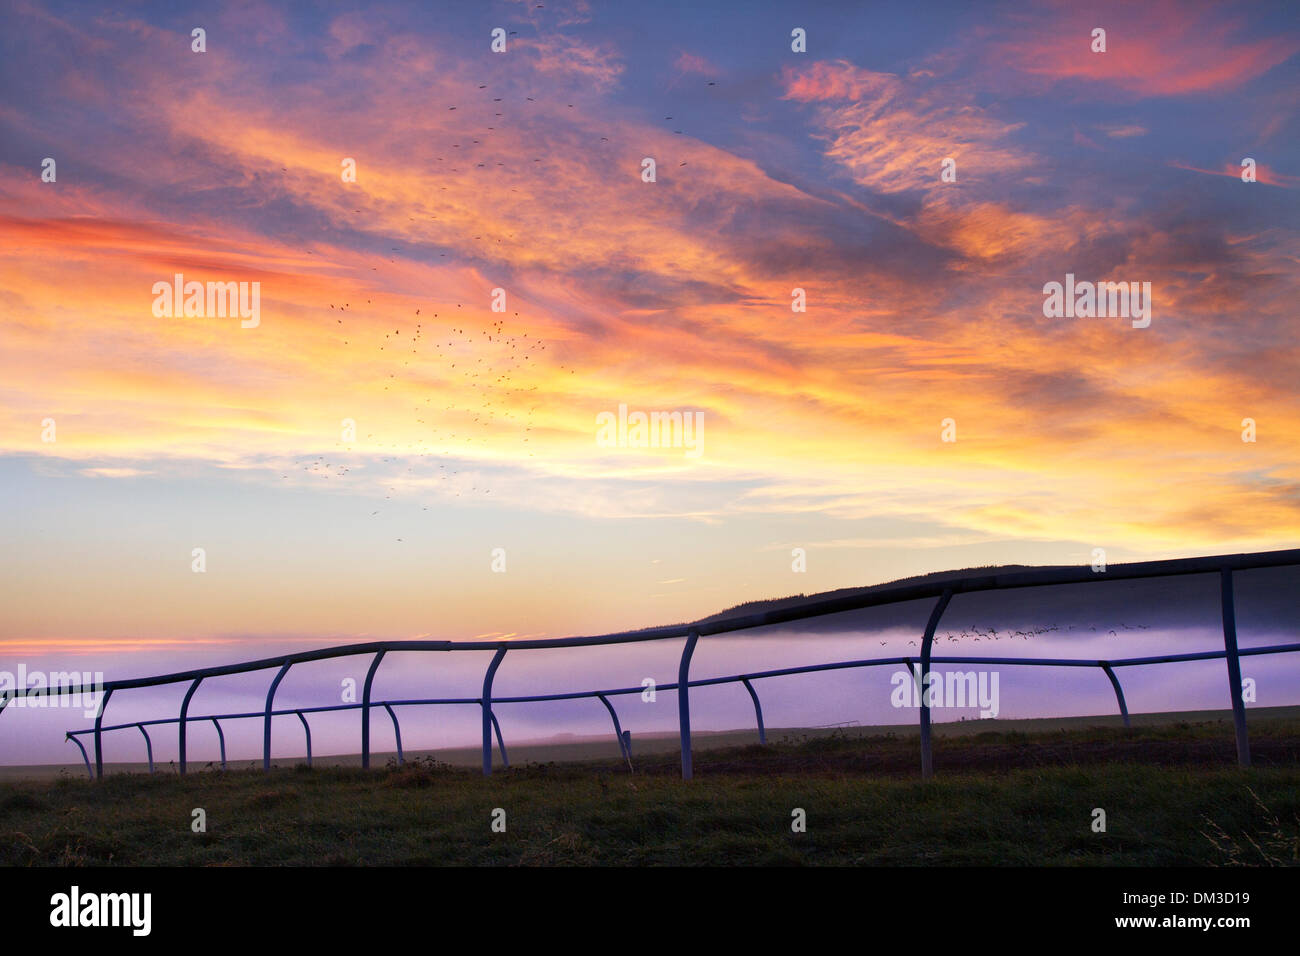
[{"x": 522, "y": 171}]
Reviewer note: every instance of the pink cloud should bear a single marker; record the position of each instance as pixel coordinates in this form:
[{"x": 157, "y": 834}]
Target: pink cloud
[
  {"x": 1152, "y": 49},
  {"x": 693, "y": 63},
  {"x": 1263, "y": 174}
]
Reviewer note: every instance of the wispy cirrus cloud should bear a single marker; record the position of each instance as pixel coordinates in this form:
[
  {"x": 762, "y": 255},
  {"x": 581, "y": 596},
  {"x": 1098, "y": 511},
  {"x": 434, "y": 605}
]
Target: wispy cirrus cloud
[{"x": 893, "y": 133}]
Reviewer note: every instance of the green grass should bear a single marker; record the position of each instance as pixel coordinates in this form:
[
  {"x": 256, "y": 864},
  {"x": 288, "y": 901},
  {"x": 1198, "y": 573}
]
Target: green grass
[{"x": 1171, "y": 794}]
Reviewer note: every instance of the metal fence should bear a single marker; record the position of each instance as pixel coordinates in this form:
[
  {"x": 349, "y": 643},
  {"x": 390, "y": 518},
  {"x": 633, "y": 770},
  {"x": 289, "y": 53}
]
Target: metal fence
[{"x": 942, "y": 591}]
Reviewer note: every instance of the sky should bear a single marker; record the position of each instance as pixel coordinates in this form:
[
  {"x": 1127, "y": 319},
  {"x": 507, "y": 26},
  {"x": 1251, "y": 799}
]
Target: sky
[{"x": 363, "y": 461}]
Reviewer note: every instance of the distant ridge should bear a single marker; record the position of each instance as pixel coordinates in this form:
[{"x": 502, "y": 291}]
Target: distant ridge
[
  {"x": 1267, "y": 598},
  {"x": 771, "y": 604}
]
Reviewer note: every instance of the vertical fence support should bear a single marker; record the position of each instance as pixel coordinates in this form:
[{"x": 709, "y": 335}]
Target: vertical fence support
[
  {"x": 1234, "y": 667},
  {"x": 306, "y": 727},
  {"x": 266, "y": 728},
  {"x": 185, "y": 709},
  {"x": 684, "y": 703},
  {"x": 1119, "y": 692},
  {"x": 148, "y": 745},
  {"x": 501, "y": 743},
  {"x": 99, "y": 744},
  {"x": 365, "y": 711},
  {"x": 84, "y": 756},
  {"x": 488, "y": 717},
  {"x": 927, "y": 755},
  {"x": 618, "y": 730},
  {"x": 221, "y": 739},
  {"x": 758, "y": 711},
  {"x": 397, "y": 733}
]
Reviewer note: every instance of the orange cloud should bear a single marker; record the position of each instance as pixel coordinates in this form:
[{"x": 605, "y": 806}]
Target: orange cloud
[{"x": 894, "y": 134}]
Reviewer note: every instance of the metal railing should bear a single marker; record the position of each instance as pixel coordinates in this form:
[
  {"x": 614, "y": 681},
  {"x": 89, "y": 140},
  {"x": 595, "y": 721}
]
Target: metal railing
[{"x": 943, "y": 591}]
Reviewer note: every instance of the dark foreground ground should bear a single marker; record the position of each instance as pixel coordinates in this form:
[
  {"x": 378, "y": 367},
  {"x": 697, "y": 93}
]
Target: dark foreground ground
[{"x": 1172, "y": 795}]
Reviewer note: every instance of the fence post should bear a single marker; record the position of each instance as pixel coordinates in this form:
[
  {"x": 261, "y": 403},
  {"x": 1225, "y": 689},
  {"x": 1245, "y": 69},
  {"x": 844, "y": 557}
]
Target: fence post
[
  {"x": 185, "y": 709},
  {"x": 365, "y": 711},
  {"x": 99, "y": 721},
  {"x": 618, "y": 730},
  {"x": 306, "y": 729},
  {"x": 501, "y": 743},
  {"x": 397, "y": 733},
  {"x": 486, "y": 701},
  {"x": 684, "y": 703},
  {"x": 266, "y": 729},
  {"x": 80, "y": 746},
  {"x": 148, "y": 744},
  {"x": 221, "y": 739},
  {"x": 927, "y": 756},
  {"x": 758, "y": 711},
  {"x": 1234, "y": 667},
  {"x": 1119, "y": 692}
]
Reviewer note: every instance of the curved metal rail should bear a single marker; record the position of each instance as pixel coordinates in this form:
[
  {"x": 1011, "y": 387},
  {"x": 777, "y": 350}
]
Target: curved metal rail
[{"x": 943, "y": 591}]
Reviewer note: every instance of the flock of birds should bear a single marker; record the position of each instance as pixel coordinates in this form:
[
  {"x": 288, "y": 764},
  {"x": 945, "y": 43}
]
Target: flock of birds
[
  {"x": 486, "y": 364},
  {"x": 480, "y": 366},
  {"x": 993, "y": 634}
]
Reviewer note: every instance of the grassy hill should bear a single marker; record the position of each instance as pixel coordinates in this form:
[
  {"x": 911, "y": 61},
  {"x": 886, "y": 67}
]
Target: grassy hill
[{"x": 1171, "y": 794}]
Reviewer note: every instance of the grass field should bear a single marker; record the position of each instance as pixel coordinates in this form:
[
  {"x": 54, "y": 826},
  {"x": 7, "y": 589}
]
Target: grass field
[
  {"x": 566, "y": 748},
  {"x": 1171, "y": 795}
]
